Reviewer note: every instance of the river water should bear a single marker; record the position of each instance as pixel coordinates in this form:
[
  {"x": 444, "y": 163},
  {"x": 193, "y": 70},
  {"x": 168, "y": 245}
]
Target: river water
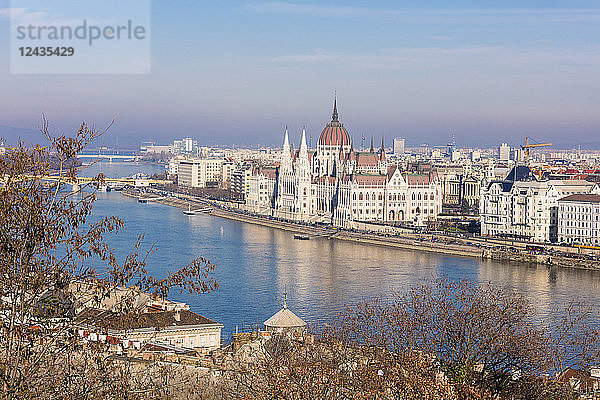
[{"x": 256, "y": 265}]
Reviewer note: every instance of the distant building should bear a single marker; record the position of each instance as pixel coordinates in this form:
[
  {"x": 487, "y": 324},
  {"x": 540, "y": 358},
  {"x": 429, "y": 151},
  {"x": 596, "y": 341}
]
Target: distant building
[
  {"x": 339, "y": 185},
  {"x": 151, "y": 147},
  {"x": 204, "y": 172},
  {"x": 240, "y": 181},
  {"x": 399, "y": 144},
  {"x": 187, "y": 146},
  {"x": 460, "y": 187},
  {"x": 579, "y": 219},
  {"x": 261, "y": 190},
  {"x": 173, "y": 166},
  {"x": 504, "y": 152},
  {"x": 522, "y": 207}
]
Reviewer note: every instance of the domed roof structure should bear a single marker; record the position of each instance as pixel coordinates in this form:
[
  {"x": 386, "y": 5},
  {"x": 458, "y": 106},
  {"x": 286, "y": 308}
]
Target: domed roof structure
[
  {"x": 283, "y": 320},
  {"x": 334, "y": 133}
]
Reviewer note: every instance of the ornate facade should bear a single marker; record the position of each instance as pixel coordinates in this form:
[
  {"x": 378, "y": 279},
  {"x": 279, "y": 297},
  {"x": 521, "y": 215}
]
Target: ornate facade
[{"x": 336, "y": 184}]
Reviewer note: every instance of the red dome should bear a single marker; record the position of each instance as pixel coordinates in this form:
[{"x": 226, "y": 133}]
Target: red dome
[{"x": 334, "y": 133}]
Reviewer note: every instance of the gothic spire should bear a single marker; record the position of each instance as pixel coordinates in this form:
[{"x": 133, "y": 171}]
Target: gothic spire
[
  {"x": 303, "y": 146},
  {"x": 334, "y": 117},
  {"x": 286, "y": 141},
  {"x": 372, "y": 150}
]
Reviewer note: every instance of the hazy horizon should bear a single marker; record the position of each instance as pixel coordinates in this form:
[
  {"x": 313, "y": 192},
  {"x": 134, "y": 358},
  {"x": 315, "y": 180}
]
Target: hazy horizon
[{"x": 238, "y": 72}]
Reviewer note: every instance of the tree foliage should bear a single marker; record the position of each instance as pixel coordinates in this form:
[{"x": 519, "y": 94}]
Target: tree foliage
[{"x": 49, "y": 241}]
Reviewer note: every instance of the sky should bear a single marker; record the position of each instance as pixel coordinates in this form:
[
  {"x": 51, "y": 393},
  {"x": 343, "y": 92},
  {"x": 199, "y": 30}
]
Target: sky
[{"x": 237, "y": 72}]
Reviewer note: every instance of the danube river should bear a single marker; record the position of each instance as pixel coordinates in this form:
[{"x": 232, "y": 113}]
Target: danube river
[{"x": 256, "y": 265}]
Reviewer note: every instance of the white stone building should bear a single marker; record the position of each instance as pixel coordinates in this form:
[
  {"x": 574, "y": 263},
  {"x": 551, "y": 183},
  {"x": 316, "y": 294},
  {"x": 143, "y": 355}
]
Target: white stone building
[
  {"x": 204, "y": 172},
  {"x": 579, "y": 219},
  {"x": 180, "y": 328},
  {"x": 154, "y": 319},
  {"x": 521, "y": 207},
  {"x": 240, "y": 181},
  {"x": 261, "y": 190},
  {"x": 338, "y": 185}
]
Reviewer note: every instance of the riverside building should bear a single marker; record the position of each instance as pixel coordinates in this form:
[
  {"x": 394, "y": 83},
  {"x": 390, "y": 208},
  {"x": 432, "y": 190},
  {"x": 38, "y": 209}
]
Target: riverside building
[
  {"x": 579, "y": 219},
  {"x": 522, "y": 207},
  {"x": 336, "y": 184},
  {"x": 204, "y": 172}
]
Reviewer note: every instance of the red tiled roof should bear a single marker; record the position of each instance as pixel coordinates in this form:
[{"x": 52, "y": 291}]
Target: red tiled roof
[
  {"x": 588, "y": 198},
  {"x": 368, "y": 180},
  {"x": 415, "y": 179},
  {"x": 269, "y": 172},
  {"x": 334, "y": 134},
  {"x": 391, "y": 170},
  {"x": 367, "y": 159},
  {"x": 325, "y": 179},
  {"x": 107, "y": 319}
]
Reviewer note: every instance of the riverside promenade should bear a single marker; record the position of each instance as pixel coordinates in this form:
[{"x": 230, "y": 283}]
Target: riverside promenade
[{"x": 474, "y": 248}]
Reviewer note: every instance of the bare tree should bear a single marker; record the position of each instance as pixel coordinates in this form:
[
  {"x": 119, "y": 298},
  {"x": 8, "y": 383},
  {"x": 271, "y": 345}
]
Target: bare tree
[{"x": 48, "y": 241}]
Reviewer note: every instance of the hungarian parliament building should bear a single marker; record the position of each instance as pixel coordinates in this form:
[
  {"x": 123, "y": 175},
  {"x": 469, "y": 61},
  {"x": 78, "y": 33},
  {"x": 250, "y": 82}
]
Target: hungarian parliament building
[{"x": 338, "y": 185}]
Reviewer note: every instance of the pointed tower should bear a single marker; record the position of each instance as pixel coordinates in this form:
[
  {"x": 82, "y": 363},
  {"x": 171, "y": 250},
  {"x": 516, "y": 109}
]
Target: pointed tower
[
  {"x": 372, "y": 150},
  {"x": 286, "y": 156},
  {"x": 351, "y": 159},
  {"x": 303, "y": 176},
  {"x": 334, "y": 116},
  {"x": 286, "y": 141},
  {"x": 303, "y": 145},
  {"x": 382, "y": 151}
]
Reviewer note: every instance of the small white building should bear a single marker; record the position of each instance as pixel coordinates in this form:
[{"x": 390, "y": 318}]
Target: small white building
[
  {"x": 579, "y": 219},
  {"x": 181, "y": 328},
  {"x": 286, "y": 322}
]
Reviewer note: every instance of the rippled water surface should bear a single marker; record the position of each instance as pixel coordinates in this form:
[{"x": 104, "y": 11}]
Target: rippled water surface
[{"x": 256, "y": 265}]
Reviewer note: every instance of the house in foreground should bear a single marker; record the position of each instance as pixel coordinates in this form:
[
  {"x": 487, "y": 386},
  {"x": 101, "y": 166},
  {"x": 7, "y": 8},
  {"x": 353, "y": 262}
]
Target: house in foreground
[
  {"x": 182, "y": 328},
  {"x": 130, "y": 318}
]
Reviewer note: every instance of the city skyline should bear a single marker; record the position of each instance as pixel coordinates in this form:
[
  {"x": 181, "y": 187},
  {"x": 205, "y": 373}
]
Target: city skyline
[{"x": 489, "y": 73}]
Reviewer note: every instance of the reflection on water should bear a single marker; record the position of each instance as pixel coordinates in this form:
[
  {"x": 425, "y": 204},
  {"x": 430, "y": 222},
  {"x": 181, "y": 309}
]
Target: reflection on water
[{"x": 256, "y": 265}]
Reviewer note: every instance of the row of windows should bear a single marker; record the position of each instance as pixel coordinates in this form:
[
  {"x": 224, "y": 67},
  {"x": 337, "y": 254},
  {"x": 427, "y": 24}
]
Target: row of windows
[
  {"x": 580, "y": 232},
  {"x": 393, "y": 196},
  {"x": 580, "y": 217}
]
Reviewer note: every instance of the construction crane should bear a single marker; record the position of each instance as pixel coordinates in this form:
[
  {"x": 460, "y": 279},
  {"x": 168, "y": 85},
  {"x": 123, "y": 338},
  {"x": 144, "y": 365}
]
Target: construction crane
[{"x": 528, "y": 146}]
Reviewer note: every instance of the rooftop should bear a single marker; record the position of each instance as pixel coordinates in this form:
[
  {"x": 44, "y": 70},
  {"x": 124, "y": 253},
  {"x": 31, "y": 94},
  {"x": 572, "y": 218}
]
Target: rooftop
[
  {"x": 587, "y": 198},
  {"x": 162, "y": 319}
]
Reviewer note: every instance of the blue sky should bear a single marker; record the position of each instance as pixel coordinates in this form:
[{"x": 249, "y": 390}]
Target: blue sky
[{"x": 239, "y": 71}]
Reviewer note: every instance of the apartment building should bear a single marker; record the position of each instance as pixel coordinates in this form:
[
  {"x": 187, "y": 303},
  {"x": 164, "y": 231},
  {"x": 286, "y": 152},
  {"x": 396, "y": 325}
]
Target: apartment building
[{"x": 579, "y": 219}]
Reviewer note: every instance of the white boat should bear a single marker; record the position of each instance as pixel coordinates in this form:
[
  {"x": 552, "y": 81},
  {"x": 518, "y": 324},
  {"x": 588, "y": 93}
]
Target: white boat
[{"x": 189, "y": 211}]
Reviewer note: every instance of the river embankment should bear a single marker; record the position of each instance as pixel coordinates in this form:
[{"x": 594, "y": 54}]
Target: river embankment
[{"x": 417, "y": 242}]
